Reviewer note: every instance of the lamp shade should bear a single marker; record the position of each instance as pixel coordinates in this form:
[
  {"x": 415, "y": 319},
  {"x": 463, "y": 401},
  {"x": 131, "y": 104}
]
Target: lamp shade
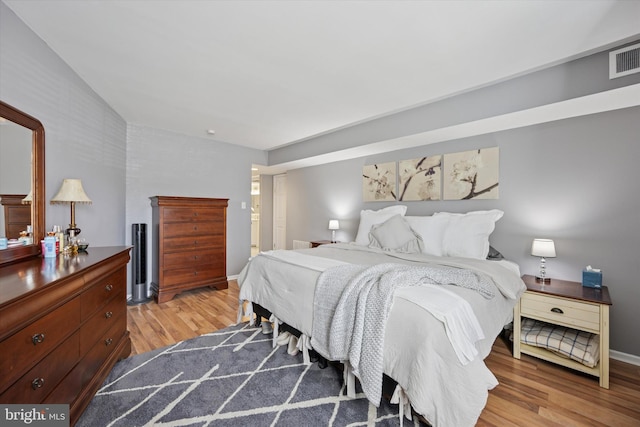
[
  {"x": 28, "y": 198},
  {"x": 334, "y": 224},
  {"x": 71, "y": 191},
  {"x": 544, "y": 248}
]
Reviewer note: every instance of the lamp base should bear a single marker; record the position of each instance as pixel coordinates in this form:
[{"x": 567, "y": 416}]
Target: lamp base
[
  {"x": 543, "y": 279},
  {"x": 75, "y": 230}
]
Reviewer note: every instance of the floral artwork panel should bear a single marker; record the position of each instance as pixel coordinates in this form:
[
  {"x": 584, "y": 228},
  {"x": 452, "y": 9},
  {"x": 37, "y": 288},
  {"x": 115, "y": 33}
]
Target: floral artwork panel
[
  {"x": 420, "y": 179},
  {"x": 471, "y": 174},
  {"x": 379, "y": 182}
]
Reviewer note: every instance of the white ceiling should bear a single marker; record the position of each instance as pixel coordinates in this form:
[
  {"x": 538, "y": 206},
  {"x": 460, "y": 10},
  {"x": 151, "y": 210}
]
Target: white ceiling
[{"x": 268, "y": 73}]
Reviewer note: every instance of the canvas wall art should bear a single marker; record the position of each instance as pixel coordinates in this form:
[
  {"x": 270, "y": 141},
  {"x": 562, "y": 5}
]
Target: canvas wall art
[
  {"x": 471, "y": 174},
  {"x": 420, "y": 179},
  {"x": 379, "y": 182}
]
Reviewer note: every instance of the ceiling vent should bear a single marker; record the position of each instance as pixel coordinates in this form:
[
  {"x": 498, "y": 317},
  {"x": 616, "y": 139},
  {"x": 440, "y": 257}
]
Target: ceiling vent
[{"x": 625, "y": 61}]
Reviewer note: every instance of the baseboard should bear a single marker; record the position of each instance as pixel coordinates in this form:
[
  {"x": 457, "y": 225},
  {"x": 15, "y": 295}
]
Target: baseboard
[
  {"x": 234, "y": 277},
  {"x": 625, "y": 357}
]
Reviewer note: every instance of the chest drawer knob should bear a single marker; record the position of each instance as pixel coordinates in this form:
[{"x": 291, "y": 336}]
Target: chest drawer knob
[
  {"x": 37, "y": 383},
  {"x": 108, "y": 342},
  {"x": 37, "y": 339},
  {"x": 557, "y": 310},
  {"x": 108, "y": 314},
  {"x": 109, "y": 287}
]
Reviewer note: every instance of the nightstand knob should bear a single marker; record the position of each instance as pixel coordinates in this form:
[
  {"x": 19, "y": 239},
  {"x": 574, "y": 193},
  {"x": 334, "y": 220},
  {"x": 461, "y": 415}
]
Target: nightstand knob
[
  {"x": 557, "y": 310},
  {"x": 37, "y": 383}
]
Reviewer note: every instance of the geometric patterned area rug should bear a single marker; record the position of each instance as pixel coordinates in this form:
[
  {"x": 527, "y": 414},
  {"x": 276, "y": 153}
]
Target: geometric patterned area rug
[{"x": 231, "y": 377}]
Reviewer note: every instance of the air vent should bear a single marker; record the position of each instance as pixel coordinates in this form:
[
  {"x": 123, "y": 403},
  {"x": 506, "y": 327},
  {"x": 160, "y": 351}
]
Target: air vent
[{"x": 625, "y": 61}]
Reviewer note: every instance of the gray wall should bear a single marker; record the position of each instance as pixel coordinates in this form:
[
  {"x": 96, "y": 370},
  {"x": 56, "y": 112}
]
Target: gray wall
[
  {"x": 162, "y": 163},
  {"x": 84, "y": 137},
  {"x": 572, "y": 180},
  {"x": 120, "y": 166}
]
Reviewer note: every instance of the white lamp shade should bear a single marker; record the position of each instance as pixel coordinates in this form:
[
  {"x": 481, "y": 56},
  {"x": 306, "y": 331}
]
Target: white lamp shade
[
  {"x": 544, "y": 248},
  {"x": 28, "y": 198},
  {"x": 334, "y": 224},
  {"x": 71, "y": 191}
]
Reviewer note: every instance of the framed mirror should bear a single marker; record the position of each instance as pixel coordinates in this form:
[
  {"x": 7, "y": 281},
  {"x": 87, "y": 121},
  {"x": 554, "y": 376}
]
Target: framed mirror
[{"x": 36, "y": 165}]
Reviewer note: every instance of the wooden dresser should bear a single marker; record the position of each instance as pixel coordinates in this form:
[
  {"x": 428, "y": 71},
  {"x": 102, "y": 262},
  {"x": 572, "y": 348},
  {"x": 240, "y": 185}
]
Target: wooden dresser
[
  {"x": 63, "y": 325},
  {"x": 17, "y": 216},
  {"x": 189, "y": 245}
]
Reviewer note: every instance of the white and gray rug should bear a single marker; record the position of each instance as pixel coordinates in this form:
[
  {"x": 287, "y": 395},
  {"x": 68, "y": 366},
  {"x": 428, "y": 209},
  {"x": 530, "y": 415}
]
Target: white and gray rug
[{"x": 232, "y": 377}]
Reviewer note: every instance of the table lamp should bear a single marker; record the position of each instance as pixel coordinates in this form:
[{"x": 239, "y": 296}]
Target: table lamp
[
  {"x": 543, "y": 248},
  {"x": 333, "y": 226},
  {"x": 71, "y": 192}
]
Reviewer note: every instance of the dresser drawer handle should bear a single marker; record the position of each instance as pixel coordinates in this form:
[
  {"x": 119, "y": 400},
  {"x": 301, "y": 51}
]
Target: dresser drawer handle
[
  {"x": 37, "y": 383},
  {"x": 109, "y": 287},
  {"x": 195, "y": 228},
  {"x": 108, "y": 314},
  {"x": 108, "y": 341},
  {"x": 195, "y": 273},
  {"x": 557, "y": 310},
  {"x": 195, "y": 257},
  {"x": 37, "y": 339}
]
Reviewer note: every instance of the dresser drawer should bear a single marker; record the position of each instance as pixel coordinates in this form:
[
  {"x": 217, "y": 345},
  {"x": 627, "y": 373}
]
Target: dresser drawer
[
  {"x": 192, "y": 258},
  {"x": 571, "y": 313},
  {"x": 193, "y": 242},
  {"x": 178, "y": 229},
  {"x": 100, "y": 322},
  {"x": 106, "y": 343},
  {"x": 23, "y": 349},
  {"x": 197, "y": 274},
  {"x": 176, "y": 214},
  {"x": 38, "y": 382},
  {"x": 113, "y": 286}
]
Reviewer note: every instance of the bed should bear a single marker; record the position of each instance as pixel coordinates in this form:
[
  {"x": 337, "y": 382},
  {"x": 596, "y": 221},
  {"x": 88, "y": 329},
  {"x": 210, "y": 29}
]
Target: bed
[{"x": 421, "y": 339}]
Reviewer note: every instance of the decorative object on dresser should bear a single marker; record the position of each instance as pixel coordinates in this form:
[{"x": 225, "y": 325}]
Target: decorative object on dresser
[
  {"x": 63, "y": 326},
  {"x": 189, "y": 244},
  {"x": 71, "y": 192},
  {"x": 17, "y": 214},
  {"x": 565, "y": 310},
  {"x": 333, "y": 226},
  {"x": 543, "y": 248}
]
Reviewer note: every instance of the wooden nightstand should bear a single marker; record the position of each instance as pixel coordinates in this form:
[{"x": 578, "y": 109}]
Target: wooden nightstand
[{"x": 568, "y": 304}]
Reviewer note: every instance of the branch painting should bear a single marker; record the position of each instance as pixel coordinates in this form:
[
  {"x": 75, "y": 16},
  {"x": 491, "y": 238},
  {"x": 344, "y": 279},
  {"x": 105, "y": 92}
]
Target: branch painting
[
  {"x": 379, "y": 182},
  {"x": 471, "y": 174},
  {"x": 420, "y": 178}
]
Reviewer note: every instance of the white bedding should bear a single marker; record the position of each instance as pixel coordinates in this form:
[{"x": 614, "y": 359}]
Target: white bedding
[{"x": 417, "y": 353}]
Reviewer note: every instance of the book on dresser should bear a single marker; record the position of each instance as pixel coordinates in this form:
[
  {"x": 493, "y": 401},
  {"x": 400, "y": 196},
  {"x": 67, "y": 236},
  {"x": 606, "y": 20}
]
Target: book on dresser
[{"x": 189, "y": 244}]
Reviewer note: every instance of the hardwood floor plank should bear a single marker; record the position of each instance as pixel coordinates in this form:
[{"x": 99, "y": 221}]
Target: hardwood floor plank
[{"x": 531, "y": 392}]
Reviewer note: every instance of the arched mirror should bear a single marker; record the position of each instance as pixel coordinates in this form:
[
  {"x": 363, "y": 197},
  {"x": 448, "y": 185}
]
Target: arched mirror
[{"x": 18, "y": 129}]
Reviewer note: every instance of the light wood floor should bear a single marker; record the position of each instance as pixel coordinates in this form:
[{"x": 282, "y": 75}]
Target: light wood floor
[{"x": 531, "y": 392}]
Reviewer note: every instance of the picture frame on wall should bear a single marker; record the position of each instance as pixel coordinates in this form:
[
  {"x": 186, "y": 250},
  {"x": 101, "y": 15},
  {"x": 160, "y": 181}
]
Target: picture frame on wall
[
  {"x": 472, "y": 174},
  {"x": 379, "y": 182},
  {"x": 420, "y": 179}
]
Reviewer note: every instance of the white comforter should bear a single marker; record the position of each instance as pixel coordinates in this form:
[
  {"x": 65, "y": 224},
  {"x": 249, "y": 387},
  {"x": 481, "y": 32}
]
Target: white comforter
[{"x": 417, "y": 353}]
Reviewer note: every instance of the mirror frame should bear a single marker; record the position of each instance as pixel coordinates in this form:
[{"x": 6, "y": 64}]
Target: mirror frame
[{"x": 37, "y": 184}]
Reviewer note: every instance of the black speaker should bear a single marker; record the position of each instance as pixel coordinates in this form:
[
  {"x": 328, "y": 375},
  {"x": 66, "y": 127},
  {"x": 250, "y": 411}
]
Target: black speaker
[{"x": 139, "y": 264}]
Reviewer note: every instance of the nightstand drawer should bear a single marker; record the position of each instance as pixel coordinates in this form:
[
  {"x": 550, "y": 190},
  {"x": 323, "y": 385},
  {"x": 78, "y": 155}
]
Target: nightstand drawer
[{"x": 572, "y": 313}]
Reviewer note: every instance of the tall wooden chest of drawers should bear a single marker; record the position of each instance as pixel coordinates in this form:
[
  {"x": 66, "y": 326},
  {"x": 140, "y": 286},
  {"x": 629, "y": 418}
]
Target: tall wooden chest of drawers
[
  {"x": 189, "y": 244},
  {"x": 63, "y": 326}
]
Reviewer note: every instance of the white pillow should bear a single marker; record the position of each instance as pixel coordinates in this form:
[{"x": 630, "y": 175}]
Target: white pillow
[
  {"x": 370, "y": 218},
  {"x": 431, "y": 231},
  {"x": 395, "y": 235},
  {"x": 467, "y": 235}
]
